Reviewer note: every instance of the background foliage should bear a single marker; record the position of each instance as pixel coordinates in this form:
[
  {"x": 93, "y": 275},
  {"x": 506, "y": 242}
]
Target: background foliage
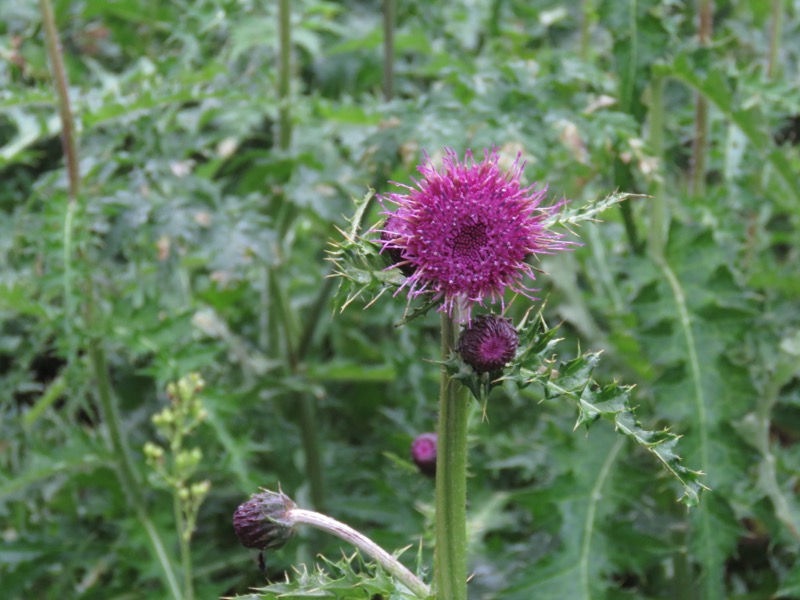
[{"x": 199, "y": 242}]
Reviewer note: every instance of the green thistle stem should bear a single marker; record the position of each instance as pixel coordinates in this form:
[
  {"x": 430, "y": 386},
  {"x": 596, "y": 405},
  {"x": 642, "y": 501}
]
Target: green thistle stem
[
  {"x": 388, "y": 49},
  {"x": 451, "y": 479},
  {"x": 308, "y": 409},
  {"x": 307, "y": 418},
  {"x": 700, "y": 143},
  {"x": 126, "y": 471},
  {"x": 589, "y": 18},
  {"x": 775, "y": 22},
  {"x": 495, "y": 13},
  {"x": 176, "y": 447},
  {"x": 183, "y": 541},
  {"x": 62, "y": 89},
  {"x": 623, "y": 178},
  {"x": 314, "y": 317},
  {"x": 284, "y": 74},
  {"x": 658, "y": 210}
]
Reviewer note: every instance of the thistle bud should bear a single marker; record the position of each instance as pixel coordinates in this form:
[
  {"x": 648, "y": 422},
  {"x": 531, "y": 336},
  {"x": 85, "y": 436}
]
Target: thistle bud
[
  {"x": 264, "y": 521},
  {"x": 488, "y": 344},
  {"x": 423, "y": 453}
]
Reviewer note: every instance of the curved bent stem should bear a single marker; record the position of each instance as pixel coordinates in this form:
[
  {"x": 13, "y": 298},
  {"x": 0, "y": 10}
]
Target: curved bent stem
[{"x": 363, "y": 543}]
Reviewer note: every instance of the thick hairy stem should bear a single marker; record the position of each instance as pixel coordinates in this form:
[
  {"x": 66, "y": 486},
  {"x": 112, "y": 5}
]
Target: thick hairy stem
[{"x": 451, "y": 479}]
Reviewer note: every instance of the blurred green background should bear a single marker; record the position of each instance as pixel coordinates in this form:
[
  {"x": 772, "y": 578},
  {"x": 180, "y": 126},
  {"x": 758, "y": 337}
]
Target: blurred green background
[{"x": 198, "y": 242}]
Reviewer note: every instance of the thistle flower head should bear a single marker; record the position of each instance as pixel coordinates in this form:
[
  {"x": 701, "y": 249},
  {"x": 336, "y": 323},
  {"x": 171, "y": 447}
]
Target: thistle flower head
[
  {"x": 423, "y": 453},
  {"x": 464, "y": 231},
  {"x": 488, "y": 344},
  {"x": 264, "y": 521}
]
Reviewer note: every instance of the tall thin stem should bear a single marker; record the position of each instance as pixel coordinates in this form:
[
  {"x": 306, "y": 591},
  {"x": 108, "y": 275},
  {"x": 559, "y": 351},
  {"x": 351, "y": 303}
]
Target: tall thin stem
[
  {"x": 309, "y": 426},
  {"x": 451, "y": 479},
  {"x": 282, "y": 308},
  {"x": 184, "y": 534},
  {"x": 700, "y": 143},
  {"x": 658, "y": 211},
  {"x": 587, "y": 22},
  {"x": 275, "y": 306},
  {"x": 269, "y": 326},
  {"x": 284, "y": 74},
  {"x": 388, "y": 49},
  {"x": 311, "y": 449},
  {"x": 495, "y": 13},
  {"x": 314, "y": 317},
  {"x": 775, "y": 22},
  {"x": 185, "y": 547},
  {"x": 126, "y": 471},
  {"x": 682, "y": 580},
  {"x": 64, "y": 106},
  {"x": 623, "y": 178}
]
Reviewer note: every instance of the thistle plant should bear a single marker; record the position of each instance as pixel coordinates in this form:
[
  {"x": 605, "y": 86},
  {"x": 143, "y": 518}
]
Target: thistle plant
[
  {"x": 462, "y": 239},
  {"x": 173, "y": 465}
]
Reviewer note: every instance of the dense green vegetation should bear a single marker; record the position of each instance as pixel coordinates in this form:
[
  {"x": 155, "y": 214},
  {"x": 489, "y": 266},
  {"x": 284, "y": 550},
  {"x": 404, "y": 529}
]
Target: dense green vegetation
[{"x": 192, "y": 235}]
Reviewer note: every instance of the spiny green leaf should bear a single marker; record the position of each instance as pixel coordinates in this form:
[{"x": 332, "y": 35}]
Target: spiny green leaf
[
  {"x": 572, "y": 379},
  {"x": 341, "y": 580},
  {"x": 364, "y": 270},
  {"x": 588, "y": 212}
]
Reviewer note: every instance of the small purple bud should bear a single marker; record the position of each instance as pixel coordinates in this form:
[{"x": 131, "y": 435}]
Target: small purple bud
[
  {"x": 423, "y": 453},
  {"x": 489, "y": 343},
  {"x": 392, "y": 228},
  {"x": 264, "y": 521}
]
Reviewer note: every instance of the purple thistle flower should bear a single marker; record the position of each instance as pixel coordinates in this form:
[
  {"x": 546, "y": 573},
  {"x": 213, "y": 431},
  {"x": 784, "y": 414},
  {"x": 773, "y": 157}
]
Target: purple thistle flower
[
  {"x": 488, "y": 344},
  {"x": 465, "y": 231},
  {"x": 423, "y": 453}
]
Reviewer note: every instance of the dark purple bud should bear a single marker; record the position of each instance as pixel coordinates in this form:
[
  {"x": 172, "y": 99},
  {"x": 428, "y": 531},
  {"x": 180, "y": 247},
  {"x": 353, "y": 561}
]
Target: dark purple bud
[
  {"x": 423, "y": 453},
  {"x": 392, "y": 228},
  {"x": 264, "y": 521},
  {"x": 489, "y": 343}
]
